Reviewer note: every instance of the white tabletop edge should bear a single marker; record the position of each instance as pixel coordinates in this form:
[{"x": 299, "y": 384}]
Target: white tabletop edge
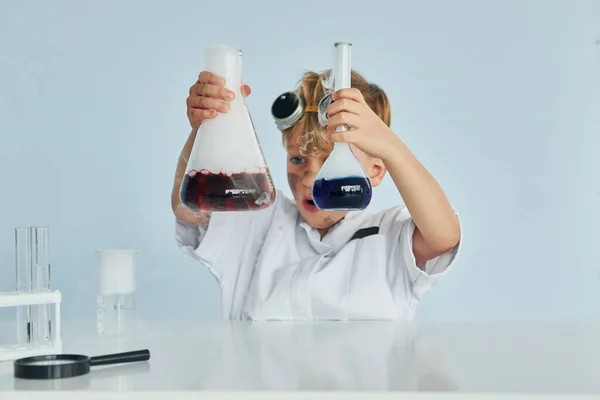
[{"x": 256, "y": 395}]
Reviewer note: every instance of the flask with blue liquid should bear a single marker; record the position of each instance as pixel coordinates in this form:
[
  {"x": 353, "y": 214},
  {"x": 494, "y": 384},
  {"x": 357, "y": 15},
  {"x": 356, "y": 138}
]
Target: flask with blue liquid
[{"x": 342, "y": 183}]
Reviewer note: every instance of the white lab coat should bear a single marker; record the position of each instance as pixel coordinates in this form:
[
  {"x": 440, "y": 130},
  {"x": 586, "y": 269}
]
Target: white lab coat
[{"x": 271, "y": 265}]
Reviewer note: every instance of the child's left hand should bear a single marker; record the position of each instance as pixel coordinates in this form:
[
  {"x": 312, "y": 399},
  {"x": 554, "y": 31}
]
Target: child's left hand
[{"x": 367, "y": 131}]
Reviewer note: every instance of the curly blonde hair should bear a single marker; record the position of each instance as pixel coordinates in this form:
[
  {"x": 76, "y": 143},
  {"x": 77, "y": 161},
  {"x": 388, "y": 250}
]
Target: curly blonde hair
[{"x": 312, "y": 88}]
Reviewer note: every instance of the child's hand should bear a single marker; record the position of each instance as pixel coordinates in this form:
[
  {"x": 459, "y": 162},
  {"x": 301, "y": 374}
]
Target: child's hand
[
  {"x": 208, "y": 96},
  {"x": 366, "y": 130}
]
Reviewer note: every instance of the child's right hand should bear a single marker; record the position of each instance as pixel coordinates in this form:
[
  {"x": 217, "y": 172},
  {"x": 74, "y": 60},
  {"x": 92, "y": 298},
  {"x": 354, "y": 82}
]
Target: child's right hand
[{"x": 208, "y": 96}]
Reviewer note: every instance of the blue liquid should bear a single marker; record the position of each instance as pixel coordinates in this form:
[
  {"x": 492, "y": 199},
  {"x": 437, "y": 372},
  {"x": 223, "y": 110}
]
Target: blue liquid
[{"x": 350, "y": 193}]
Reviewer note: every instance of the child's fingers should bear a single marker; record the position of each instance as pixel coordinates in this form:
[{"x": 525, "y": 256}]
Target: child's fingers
[
  {"x": 213, "y": 91},
  {"x": 345, "y": 136},
  {"x": 347, "y": 105},
  {"x": 207, "y": 103},
  {"x": 246, "y": 90},
  {"x": 211, "y": 78},
  {"x": 343, "y": 118},
  {"x": 349, "y": 93},
  {"x": 199, "y": 115}
]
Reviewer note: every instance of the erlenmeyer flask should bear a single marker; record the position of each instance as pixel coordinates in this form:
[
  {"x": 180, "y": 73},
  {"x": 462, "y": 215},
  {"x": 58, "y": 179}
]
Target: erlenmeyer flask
[
  {"x": 342, "y": 183},
  {"x": 227, "y": 170}
]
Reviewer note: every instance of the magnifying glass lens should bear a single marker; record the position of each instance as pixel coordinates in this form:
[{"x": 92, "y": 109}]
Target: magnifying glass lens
[{"x": 48, "y": 363}]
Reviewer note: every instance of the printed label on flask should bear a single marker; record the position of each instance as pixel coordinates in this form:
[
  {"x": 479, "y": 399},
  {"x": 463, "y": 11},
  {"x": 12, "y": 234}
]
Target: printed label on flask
[
  {"x": 240, "y": 191},
  {"x": 351, "y": 188}
]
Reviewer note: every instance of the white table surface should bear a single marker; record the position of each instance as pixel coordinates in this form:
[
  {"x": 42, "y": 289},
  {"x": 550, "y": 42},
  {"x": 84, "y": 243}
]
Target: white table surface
[{"x": 331, "y": 359}]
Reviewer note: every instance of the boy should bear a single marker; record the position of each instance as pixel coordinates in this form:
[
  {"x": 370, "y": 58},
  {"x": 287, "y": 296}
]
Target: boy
[{"x": 293, "y": 261}]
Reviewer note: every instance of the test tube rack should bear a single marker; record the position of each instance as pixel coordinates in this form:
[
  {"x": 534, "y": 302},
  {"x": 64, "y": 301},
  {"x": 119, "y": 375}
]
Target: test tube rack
[{"x": 29, "y": 349}]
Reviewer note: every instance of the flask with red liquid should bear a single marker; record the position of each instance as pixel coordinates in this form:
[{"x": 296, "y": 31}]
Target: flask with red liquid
[{"x": 227, "y": 170}]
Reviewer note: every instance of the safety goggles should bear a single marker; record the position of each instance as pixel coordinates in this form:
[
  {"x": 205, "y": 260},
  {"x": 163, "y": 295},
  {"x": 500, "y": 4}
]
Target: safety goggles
[{"x": 289, "y": 108}]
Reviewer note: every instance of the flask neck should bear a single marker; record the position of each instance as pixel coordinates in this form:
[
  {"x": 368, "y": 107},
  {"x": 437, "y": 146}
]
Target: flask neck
[
  {"x": 342, "y": 149},
  {"x": 342, "y": 69},
  {"x": 226, "y": 62}
]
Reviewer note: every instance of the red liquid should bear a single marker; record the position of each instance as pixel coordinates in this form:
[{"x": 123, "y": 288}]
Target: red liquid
[{"x": 220, "y": 192}]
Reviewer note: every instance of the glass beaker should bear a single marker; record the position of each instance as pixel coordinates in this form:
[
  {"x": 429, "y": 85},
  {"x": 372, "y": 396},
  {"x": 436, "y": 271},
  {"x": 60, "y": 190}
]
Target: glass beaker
[
  {"x": 115, "y": 302},
  {"x": 227, "y": 170}
]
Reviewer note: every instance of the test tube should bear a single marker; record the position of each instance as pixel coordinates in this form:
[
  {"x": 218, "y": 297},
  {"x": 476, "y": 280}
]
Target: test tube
[
  {"x": 40, "y": 264},
  {"x": 23, "y": 282},
  {"x": 34, "y": 323}
]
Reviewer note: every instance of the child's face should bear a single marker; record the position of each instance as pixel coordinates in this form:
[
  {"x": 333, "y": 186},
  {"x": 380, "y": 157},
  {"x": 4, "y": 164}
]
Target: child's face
[{"x": 301, "y": 172}]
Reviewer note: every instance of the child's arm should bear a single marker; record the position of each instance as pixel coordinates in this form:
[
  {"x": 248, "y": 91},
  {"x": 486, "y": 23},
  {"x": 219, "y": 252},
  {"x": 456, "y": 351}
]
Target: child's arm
[
  {"x": 437, "y": 226},
  {"x": 181, "y": 212}
]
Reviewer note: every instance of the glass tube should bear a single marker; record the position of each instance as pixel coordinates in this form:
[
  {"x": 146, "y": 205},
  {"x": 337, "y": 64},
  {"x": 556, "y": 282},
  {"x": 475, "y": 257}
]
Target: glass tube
[
  {"x": 40, "y": 265},
  {"x": 34, "y": 323},
  {"x": 23, "y": 282}
]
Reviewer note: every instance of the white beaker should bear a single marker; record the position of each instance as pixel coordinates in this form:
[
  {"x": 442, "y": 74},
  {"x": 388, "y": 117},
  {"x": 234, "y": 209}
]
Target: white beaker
[{"x": 115, "y": 302}]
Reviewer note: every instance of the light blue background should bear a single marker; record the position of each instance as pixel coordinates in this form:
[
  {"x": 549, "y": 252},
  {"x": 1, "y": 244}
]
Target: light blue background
[{"x": 499, "y": 99}]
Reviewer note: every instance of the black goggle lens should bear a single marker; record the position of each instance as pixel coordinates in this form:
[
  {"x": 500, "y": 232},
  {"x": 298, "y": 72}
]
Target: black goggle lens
[{"x": 285, "y": 105}]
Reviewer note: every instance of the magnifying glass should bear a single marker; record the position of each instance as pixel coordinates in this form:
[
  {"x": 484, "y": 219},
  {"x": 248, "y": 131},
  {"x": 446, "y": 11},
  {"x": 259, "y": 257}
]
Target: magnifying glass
[{"x": 59, "y": 366}]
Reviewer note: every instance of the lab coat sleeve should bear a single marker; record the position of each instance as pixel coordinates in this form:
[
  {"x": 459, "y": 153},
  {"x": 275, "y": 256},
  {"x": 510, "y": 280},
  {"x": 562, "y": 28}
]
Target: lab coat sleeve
[
  {"x": 219, "y": 247},
  {"x": 206, "y": 244},
  {"x": 400, "y": 228}
]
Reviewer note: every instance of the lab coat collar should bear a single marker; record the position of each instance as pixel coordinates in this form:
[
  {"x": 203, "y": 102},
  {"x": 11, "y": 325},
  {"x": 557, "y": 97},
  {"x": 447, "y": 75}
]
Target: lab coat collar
[{"x": 350, "y": 215}]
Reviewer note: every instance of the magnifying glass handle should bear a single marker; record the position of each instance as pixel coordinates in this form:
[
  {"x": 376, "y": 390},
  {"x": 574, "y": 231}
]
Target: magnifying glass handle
[{"x": 119, "y": 358}]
